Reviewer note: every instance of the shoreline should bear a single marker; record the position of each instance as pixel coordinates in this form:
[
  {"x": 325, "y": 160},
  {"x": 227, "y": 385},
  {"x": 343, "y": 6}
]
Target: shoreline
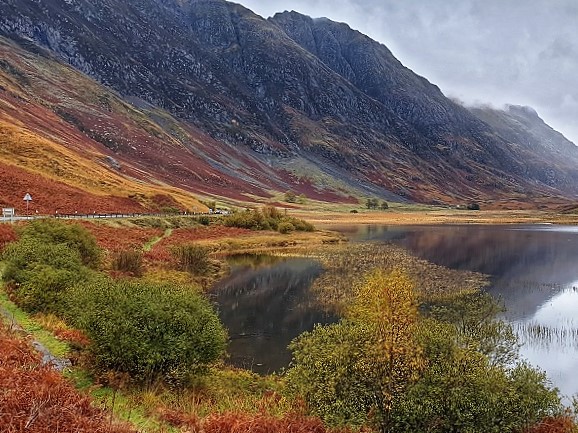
[{"x": 394, "y": 217}]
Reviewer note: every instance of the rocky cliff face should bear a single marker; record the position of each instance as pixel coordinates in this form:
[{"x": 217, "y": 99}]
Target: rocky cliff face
[{"x": 312, "y": 98}]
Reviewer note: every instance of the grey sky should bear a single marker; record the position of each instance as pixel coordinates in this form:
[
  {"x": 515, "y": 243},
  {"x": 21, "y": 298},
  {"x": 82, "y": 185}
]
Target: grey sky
[{"x": 479, "y": 51}]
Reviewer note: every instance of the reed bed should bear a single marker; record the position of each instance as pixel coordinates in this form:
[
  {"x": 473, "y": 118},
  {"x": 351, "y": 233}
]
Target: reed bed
[{"x": 346, "y": 265}]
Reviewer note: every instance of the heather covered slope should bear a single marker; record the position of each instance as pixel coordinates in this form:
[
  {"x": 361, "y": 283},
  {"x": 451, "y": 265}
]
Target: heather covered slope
[
  {"x": 61, "y": 125},
  {"x": 211, "y": 98},
  {"x": 58, "y": 162}
]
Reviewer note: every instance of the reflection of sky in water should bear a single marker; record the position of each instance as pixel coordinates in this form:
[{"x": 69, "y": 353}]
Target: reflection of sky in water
[
  {"x": 548, "y": 228},
  {"x": 560, "y": 310},
  {"x": 557, "y": 354}
]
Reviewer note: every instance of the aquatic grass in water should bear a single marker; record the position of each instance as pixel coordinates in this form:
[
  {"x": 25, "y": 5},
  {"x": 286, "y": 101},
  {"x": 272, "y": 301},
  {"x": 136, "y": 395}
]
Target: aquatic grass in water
[
  {"x": 553, "y": 324},
  {"x": 547, "y": 337}
]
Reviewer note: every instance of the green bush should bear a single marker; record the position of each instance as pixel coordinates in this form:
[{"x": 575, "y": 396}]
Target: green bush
[
  {"x": 461, "y": 389},
  {"x": 290, "y": 197},
  {"x": 192, "y": 258},
  {"x": 247, "y": 219},
  {"x": 285, "y": 227},
  {"x": 268, "y": 218},
  {"x": 455, "y": 370},
  {"x": 73, "y": 236},
  {"x": 204, "y": 220},
  {"x": 329, "y": 371},
  {"x": 38, "y": 272},
  {"x": 146, "y": 329},
  {"x": 49, "y": 257},
  {"x": 371, "y": 203},
  {"x": 301, "y": 225},
  {"x": 353, "y": 372},
  {"x": 128, "y": 261}
]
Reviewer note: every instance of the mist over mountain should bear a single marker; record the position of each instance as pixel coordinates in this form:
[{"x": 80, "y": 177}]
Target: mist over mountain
[{"x": 230, "y": 104}]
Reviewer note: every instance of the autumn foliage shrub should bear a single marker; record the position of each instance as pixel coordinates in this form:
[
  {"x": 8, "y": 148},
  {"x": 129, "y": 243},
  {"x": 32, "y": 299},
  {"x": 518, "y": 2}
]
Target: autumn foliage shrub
[
  {"x": 191, "y": 258},
  {"x": 559, "y": 424},
  {"x": 386, "y": 365},
  {"x": 360, "y": 365},
  {"x": 37, "y": 399},
  {"x": 7, "y": 235},
  {"x": 128, "y": 262}
]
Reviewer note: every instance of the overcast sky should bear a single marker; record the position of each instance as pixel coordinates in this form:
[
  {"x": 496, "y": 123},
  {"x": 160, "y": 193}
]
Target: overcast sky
[{"x": 480, "y": 51}]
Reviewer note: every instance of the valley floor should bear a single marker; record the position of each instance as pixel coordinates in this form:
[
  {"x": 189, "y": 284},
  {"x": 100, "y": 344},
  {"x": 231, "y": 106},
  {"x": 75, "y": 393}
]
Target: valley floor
[{"x": 227, "y": 399}]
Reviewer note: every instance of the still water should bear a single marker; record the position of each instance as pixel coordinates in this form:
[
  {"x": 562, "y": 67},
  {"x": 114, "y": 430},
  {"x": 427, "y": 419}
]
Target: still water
[
  {"x": 265, "y": 303},
  {"x": 533, "y": 269}
]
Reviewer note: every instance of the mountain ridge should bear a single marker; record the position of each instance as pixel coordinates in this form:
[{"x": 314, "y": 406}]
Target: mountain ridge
[{"x": 276, "y": 110}]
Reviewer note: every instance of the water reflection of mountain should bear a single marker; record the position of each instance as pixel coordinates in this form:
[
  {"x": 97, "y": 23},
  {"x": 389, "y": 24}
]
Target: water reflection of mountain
[
  {"x": 265, "y": 307},
  {"x": 528, "y": 264}
]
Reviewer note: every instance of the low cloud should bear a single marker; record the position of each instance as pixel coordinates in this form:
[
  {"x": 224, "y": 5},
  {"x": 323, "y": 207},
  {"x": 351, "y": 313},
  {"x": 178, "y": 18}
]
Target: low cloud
[{"x": 478, "y": 51}]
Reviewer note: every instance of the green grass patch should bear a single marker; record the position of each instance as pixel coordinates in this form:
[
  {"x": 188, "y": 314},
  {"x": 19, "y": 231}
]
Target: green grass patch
[
  {"x": 150, "y": 244},
  {"x": 15, "y": 315}
]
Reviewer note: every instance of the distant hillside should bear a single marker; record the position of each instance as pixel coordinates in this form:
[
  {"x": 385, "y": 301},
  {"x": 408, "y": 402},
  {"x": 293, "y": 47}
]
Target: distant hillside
[
  {"x": 543, "y": 150},
  {"x": 209, "y": 98}
]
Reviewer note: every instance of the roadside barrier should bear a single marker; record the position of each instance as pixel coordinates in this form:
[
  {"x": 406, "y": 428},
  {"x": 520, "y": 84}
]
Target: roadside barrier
[{"x": 101, "y": 216}]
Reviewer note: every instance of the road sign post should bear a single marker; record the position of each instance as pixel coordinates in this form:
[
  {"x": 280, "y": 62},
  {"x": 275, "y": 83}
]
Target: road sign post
[{"x": 27, "y": 199}]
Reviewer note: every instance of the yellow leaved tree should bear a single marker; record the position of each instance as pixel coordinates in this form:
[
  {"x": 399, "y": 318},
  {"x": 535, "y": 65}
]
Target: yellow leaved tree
[
  {"x": 387, "y": 305},
  {"x": 353, "y": 371}
]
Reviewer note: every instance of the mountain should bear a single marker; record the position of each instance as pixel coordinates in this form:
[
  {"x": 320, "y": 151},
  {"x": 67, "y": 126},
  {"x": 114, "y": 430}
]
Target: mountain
[
  {"x": 206, "y": 97},
  {"x": 544, "y": 151}
]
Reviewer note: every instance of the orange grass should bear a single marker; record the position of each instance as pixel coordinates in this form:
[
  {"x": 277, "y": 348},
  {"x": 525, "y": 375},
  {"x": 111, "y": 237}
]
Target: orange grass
[
  {"x": 559, "y": 424},
  {"x": 37, "y": 399},
  {"x": 7, "y": 235},
  {"x": 114, "y": 239},
  {"x": 38, "y": 156}
]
